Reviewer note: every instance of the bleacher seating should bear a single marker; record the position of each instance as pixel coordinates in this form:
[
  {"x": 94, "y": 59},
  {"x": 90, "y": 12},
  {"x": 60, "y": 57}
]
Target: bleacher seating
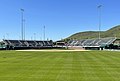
[
  {"x": 39, "y": 43},
  {"x": 28, "y": 43},
  {"x": 31, "y": 43},
  {"x": 23, "y": 43},
  {"x": 91, "y": 42}
]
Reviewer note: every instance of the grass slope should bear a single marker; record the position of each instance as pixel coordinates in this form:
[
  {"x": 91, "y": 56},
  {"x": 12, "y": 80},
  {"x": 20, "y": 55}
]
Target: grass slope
[
  {"x": 113, "y": 32},
  {"x": 59, "y": 66}
]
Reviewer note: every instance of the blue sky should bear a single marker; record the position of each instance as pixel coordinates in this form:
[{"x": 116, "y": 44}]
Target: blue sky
[{"x": 61, "y": 18}]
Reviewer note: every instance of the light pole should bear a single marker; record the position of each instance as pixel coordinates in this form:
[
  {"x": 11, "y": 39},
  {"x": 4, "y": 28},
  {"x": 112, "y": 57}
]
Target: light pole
[
  {"x": 22, "y": 24},
  {"x": 99, "y": 8},
  {"x": 31, "y": 38},
  {"x": 7, "y": 35},
  {"x": 24, "y": 28},
  {"x": 44, "y": 32},
  {"x": 34, "y": 36},
  {"x": 3, "y": 37}
]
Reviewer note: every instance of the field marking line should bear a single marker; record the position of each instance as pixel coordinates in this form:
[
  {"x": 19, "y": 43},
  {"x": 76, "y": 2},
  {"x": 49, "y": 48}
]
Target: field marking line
[{"x": 53, "y": 50}]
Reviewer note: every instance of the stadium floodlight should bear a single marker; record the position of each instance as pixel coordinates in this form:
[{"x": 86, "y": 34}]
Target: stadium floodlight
[
  {"x": 99, "y": 8},
  {"x": 22, "y": 24}
]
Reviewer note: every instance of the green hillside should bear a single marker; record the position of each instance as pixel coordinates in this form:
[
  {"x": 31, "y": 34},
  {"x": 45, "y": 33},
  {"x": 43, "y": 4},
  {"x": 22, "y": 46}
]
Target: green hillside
[{"x": 113, "y": 32}]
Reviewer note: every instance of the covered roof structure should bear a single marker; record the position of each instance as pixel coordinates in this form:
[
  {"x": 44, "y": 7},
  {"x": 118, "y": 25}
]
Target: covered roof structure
[{"x": 92, "y": 42}]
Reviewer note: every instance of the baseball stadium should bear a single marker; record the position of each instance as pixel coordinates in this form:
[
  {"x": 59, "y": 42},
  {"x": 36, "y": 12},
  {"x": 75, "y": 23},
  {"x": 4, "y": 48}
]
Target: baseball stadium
[
  {"x": 86, "y": 55},
  {"x": 74, "y": 60}
]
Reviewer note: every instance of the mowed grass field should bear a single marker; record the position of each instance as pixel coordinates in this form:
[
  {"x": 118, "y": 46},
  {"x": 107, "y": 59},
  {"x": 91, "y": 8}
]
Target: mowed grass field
[{"x": 59, "y": 66}]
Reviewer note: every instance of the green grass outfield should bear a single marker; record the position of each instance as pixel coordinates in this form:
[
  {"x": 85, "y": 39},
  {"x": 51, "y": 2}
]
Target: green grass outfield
[{"x": 59, "y": 66}]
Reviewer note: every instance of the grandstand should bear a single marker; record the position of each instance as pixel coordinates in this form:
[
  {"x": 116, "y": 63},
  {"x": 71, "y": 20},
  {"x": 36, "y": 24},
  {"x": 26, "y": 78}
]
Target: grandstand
[
  {"x": 96, "y": 44},
  {"x": 25, "y": 44},
  {"x": 103, "y": 43}
]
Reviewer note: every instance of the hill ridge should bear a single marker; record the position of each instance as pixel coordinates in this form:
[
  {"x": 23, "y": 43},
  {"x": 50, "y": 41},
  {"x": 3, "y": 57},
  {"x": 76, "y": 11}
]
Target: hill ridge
[{"x": 112, "y": 32}]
